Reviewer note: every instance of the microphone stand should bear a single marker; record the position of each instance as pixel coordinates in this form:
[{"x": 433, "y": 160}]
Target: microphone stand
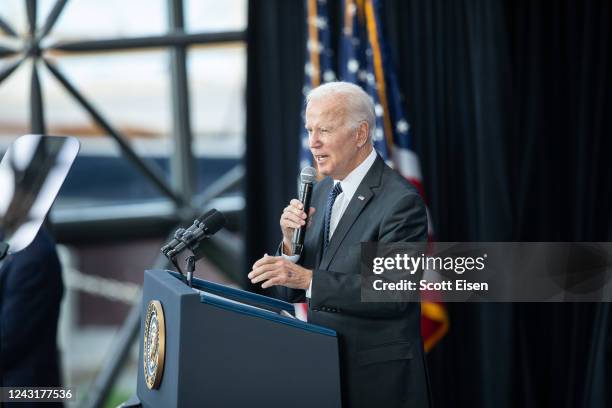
[
  {"x": 190, "y": 269},
  {"x": 190, "y": 261}
]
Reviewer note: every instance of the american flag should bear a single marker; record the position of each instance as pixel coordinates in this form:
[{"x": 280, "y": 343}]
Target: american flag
[
  {"x": 364, "y": 59},
  {"x": 318, "y": 68}
]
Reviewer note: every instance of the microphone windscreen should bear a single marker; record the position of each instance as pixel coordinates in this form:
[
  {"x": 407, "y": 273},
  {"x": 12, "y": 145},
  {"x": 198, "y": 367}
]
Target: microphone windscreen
[
  {"x": 214, "y": 222},
  {"x": 308, "y": 175},
  {"x": 206, "y": 215}
]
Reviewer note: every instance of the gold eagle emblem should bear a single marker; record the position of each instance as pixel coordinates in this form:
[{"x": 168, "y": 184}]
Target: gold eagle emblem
[{"x": 154, "y": 344}]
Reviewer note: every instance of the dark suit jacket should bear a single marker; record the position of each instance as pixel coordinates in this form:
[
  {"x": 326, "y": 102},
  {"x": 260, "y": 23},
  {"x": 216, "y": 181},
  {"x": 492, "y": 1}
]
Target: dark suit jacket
[
  {"x": 381, "y": 352},
  {"x": 30, "y": 295}
]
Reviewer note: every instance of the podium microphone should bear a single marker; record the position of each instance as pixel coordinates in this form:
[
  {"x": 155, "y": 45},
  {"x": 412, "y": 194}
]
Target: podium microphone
[
  {"x": 212, "y": 223},
  {"x": 179, "y": 232},
  {"x": 307, "y": 178}
]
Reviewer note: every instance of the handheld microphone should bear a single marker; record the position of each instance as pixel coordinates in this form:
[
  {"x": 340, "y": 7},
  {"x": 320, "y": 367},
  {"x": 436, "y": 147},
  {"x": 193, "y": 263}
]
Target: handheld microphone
[
  {"x": 307, "y": 178},
  {"x": 206, "y": 228},
  {"x": 179, "y": 232}
]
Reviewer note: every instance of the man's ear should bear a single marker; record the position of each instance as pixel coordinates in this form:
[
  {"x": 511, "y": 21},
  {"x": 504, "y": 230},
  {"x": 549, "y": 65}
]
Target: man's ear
[{"x": 362, "y": 134}]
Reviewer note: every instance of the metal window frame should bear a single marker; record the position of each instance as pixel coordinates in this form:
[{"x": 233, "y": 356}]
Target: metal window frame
[{"x": 180, "y": 191}]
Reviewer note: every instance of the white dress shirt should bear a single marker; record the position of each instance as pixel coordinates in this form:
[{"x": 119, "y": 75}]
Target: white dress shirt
[{"x": 349, "y": 186}]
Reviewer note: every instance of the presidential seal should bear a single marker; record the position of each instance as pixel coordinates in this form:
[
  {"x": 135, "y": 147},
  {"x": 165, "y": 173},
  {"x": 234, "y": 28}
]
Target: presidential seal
[{"x": 154, "y": 344}]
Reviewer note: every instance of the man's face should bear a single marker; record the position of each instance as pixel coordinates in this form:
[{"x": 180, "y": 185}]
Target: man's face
[{"x": 333, "y": 140}]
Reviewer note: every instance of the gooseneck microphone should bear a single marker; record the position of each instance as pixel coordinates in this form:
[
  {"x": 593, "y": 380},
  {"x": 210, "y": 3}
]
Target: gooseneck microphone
[
  {"x": 307, "y": 178},
  {"x": 179, "y": 232},
  {"x": 205, "y": 226}
]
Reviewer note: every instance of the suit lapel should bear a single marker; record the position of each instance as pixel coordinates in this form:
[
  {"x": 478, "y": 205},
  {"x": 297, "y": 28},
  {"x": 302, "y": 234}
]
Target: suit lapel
[{"x": 360, "y": 199}]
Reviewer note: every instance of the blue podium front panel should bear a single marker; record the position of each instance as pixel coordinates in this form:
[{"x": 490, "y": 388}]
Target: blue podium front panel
[{"x": 221, "y": 352}]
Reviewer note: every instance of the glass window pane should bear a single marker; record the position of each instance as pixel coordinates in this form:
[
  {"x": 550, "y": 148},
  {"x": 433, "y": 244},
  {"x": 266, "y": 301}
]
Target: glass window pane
[
  {"x": 131, "y": 92},
  {"x": 14, "y": 103},
  {"x": 92, "y": 19},
  {"x": 214, "y": 15},
  {"x": 63, "y": 115},
  {"x": 217, "y": 78},
  {"x": 14, "y": 13}
]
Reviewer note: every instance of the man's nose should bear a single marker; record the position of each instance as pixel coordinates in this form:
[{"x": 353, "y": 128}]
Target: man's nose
[{"x": 314, "y": 139}]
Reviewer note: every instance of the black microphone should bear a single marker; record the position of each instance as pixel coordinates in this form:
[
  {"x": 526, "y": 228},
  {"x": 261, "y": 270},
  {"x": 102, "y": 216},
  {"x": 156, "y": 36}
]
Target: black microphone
[
  {"x": 207, "y": 227},
  {"x": 307, "y": 177},
  {"x": 179, "y": 232}
]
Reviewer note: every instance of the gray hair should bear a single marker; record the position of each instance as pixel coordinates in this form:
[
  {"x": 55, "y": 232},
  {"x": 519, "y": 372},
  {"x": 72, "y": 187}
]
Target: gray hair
[{"x": 358, "y": 104}]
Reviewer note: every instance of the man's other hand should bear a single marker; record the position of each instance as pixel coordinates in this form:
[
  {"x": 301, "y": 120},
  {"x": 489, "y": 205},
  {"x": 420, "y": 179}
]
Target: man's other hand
[{"x": 276, "y": 270}]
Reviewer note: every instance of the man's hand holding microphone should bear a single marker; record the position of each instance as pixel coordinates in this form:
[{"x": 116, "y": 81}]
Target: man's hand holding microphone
[{"x": 281, "y": 270}]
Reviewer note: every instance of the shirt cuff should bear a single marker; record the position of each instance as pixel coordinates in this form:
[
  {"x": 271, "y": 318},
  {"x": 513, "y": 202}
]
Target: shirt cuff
[
  {"x": 294, "y": 259},
  {"x": 291, "y": 258},
  {"x": 309, "y": 290}
]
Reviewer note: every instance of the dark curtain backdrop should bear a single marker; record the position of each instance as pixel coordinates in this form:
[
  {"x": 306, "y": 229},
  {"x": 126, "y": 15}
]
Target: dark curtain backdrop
[
  {"x": 510, "y": 102},
  {"x": 275, "y": 71}
]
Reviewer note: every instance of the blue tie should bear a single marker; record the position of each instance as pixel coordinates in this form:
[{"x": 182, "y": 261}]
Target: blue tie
[{"x": 331, "y": 198}]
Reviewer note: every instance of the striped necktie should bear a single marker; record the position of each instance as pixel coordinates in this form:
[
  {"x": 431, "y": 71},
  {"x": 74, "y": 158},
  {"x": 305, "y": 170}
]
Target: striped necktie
[{"x": 331, "y": 198}]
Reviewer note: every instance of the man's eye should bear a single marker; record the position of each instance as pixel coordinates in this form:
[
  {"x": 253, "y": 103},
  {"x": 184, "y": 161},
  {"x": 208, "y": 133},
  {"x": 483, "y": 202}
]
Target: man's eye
[{"x": 324, "y": 130}]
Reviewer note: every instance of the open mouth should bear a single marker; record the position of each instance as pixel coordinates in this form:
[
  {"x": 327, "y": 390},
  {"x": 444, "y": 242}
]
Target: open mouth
[{"x": 321, "y": 157}]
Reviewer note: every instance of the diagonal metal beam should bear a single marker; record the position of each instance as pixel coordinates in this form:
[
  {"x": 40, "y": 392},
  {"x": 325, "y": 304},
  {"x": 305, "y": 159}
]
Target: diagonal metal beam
[
  {"x": 122, "y": 343},
  {"x": 4, "y": 26},
  {"x": 153, "y": 173},
  {"x": 4, "y": 51},
  {"x": 119, "y": 353},
  {"x": 37, "y": 118},
  {"x": 227, "y": 182},
  {"x": 167, "y": 40},
  {"x": 31, "y": 8},
  {"x": 52, "y": 18},
  {"x": 8, "y": 70}
]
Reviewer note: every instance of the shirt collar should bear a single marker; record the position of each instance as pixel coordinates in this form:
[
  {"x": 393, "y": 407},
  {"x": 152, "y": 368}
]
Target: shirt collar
[{"x": 352, "y": 181}]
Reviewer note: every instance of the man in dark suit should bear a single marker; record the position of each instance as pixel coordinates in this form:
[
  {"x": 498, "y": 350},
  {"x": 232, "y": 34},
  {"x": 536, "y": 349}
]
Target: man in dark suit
[
  {"x": 360, "y": 200},
  {"x": 30, "y": 295}
]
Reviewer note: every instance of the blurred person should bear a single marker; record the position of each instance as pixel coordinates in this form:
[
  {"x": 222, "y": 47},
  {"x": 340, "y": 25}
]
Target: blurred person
[
  {"x": 361, "y": 199},
  {"x": 31, "y": 291}
]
